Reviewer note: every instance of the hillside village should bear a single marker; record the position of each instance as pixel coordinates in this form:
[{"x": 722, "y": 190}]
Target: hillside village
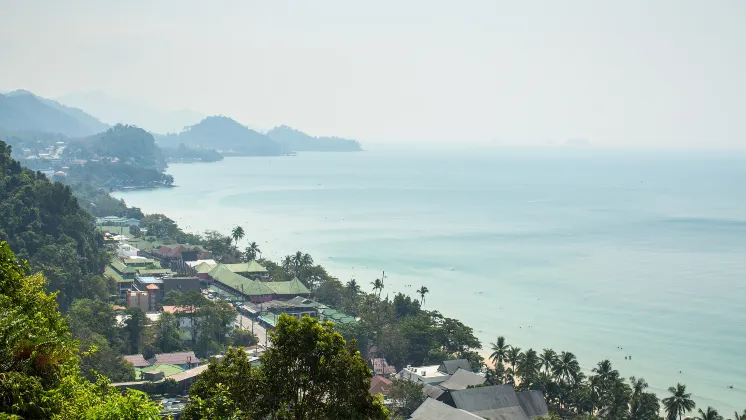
[{"x": 146, "y": 272}]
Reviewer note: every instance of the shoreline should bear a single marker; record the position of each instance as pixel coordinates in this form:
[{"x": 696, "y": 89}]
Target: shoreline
[{"x": 281, "y": 241}]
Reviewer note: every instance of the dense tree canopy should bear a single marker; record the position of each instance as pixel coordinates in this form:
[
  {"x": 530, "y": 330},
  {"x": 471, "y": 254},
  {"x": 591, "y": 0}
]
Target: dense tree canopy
[
  {"x": 44, "y": 223},
  {"x": 39, "y": 374},
  {"x": 308, "y": 373}
]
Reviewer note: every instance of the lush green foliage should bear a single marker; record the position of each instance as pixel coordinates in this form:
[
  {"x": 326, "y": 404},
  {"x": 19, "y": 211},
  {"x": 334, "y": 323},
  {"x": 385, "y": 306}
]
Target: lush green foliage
[
  {"x": 123, "y": 143},
  {"x": 406, "y": 396},
  {"x": 39, "y": 376},
  {"x": 43, "y": 222},
  {"x": 161, "y": 228},
  {"x": 308, "y": 373},
  {"x": 98, "y": 202}
]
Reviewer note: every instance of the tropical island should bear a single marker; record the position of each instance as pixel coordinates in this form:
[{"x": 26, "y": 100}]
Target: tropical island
[{"x": 112, "y": 313}]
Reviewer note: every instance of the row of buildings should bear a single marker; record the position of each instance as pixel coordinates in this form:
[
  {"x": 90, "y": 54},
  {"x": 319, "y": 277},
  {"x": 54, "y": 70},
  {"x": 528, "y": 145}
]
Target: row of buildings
[{"x": 454, "y": 391}]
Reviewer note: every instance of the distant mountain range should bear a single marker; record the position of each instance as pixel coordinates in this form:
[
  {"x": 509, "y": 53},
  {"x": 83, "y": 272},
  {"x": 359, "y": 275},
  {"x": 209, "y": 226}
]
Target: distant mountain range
[
  {"x": 21, "y": 110},
  {"x": 299, "y": 141},
  {"x": 26, "y": 115},
  {"x": 115, "y": 110},
  {"x": 226, "y": 135}
]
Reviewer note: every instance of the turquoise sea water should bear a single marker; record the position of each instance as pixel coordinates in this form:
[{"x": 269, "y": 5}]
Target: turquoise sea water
[{"x": 578, "y": 250}]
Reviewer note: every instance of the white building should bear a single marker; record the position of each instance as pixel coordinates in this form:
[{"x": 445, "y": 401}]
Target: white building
[{"x": 126, "y": 251}]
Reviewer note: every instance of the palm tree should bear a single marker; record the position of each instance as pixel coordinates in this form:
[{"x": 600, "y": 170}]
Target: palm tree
[
  {"x": 679, "y": 403},
  {"x": 710, "y": 414},
  {"x": 499, "y": 350},
  {"x": 422, "y": 292},
  {"x": 548, "y": 358},
  {"x": 377, "y": 285},
  {"x": 353, "y": 287},
  {"x": 237, "y": 234},
  {"x": 528, "y": 366},
  {"x": 566, "y": 367},
  {"x": 251, "y": 251},
  {"x": 642, "y": 405},
  {"x": 514, "y": 355},
  {"x": 737, "y": 416}
]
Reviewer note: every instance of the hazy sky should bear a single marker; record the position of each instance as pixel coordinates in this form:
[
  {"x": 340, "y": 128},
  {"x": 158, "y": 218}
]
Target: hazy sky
[{"x": 618, "y": 73}]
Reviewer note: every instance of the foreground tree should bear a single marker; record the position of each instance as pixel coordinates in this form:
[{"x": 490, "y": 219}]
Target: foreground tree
[
  {"x": 308, "y": 373},
  {"x": 679, "y": 403},
  {"x": 39, "y": 374}
]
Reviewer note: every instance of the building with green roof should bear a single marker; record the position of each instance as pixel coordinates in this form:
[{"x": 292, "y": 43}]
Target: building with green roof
[
  {"x": 251, "y": 269},
  {"x": 252, "y": 290},
  {"x": 288, "y": 289},
  {"x": 167, "y": 370}
]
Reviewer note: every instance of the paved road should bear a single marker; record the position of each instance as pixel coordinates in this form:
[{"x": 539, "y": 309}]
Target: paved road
[{"x": 259, "y": 331}]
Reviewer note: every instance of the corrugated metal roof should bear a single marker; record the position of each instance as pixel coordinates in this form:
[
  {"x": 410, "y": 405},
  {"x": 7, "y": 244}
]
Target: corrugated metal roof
[
  {"x": 178, "y": 358},
  {"x": 292, "y": 287},
  {"x": 451, "y": 366},
  {"x": 436, "y": 410},
  {"x": 137, "y": 360},
  {"x": 462, "y": 379},
  {"x": 187, "y": 374},
  {"x": 250, "y": 287},
  {"x": 249, "y": 267}
]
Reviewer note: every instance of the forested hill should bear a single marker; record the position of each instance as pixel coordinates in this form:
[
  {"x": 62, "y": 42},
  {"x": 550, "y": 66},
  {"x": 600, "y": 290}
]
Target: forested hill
[
  {"x": 299, "y": 141},
  {"x": 23, "y": 111},
  {"x": 123, "y": 143},
  {"x": 226, "y": 135},
  {"x": 42, "y": 222}
]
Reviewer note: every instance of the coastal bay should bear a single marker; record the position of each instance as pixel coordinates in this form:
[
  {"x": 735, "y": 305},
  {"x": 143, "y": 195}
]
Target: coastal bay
[{"x": 606, "y": 254}]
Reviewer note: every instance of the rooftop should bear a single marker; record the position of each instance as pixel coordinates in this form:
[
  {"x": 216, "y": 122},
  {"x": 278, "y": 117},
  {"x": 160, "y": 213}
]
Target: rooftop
[
  {"x": 292, "y": 287},
  {"x": 436, "y": 410},
  {"x": 462, "y": 379},
  {"x": 249, "y": 267},
  {"x": 426, "y": 374},
  {"x": 137, "y": 360},
  {"x": 187, "y": 374},
  {"x": 167, "y": 369},
  {"x": 178, "y": 358}
]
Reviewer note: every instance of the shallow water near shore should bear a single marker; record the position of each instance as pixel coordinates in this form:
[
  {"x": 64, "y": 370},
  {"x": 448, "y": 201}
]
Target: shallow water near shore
[{"x": 578, "y": 250}]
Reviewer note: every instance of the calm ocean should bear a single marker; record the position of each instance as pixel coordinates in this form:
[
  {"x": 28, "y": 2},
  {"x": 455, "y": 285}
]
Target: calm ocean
[{"x": 578, "y": 250}]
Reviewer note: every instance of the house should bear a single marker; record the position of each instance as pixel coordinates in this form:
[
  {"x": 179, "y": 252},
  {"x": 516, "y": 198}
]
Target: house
[
  {"x": 126, "y": 250},
  {"x": 436, "y": 410},
  {"x": 500, "y": 402},
  {"x": 146, "y": 300},
  {"x": 381, "y": 367},
  {"x": 180, "y": 284},
  {"x": 186, "y": 378},
  {"x": 379, "y": 385},
  {"x": 202, "y": 269},
  {"x": 137, "y": 360},
  {"x": 295, "y": 307},
  {"x": 121, "y": 274},
  {"x": 462, "y": 379},
  {"x": 451, "y": 366},
  {"x": 116, "y": 221},
  {"x": 184, "y": 359},
  {"x": 424, "y": 374}
]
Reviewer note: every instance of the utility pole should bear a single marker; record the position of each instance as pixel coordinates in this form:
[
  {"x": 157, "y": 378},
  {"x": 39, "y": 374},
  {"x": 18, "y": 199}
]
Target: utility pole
[{"x": 240, "y": 316}]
